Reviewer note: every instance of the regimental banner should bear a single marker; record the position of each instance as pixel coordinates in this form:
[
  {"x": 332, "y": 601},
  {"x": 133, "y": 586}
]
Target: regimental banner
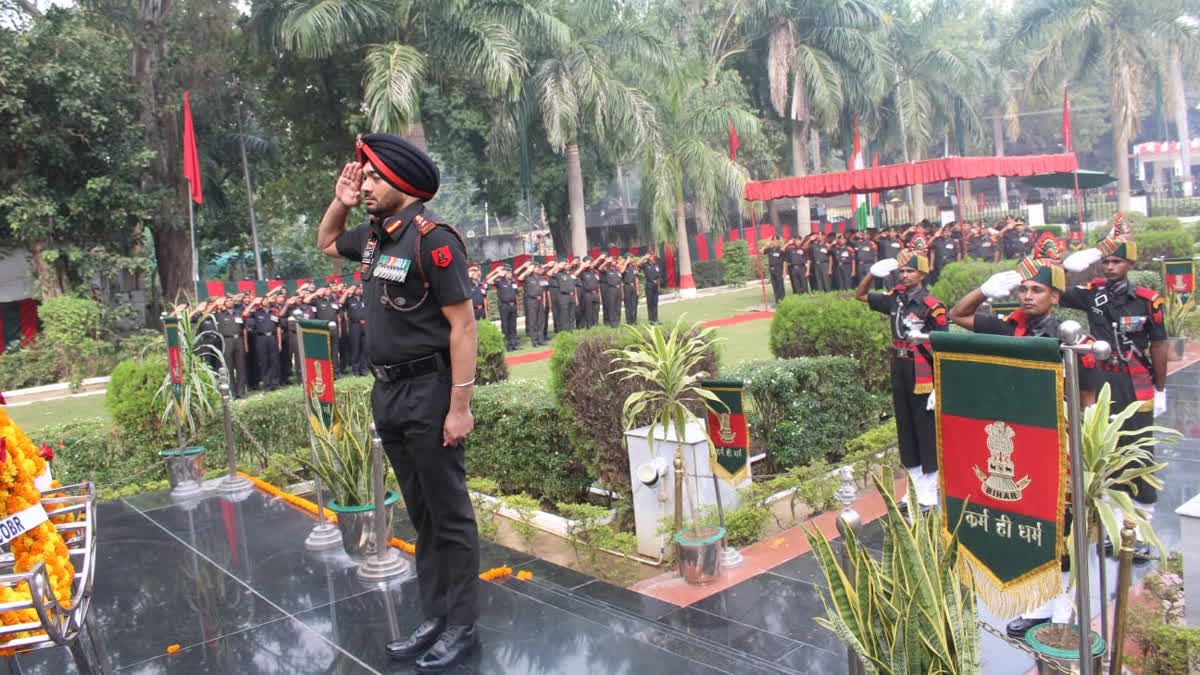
[
  {"x": 175, "y": 363},
  {"x": 1075, "y": 237},
  {"x": 1002, "y": 308},
  {"x": 728, "y": 432},
  {"x": 1179, "y": 274},
  {"x": 1002, "y": 455},
  {"x": 318, "y": 371}
]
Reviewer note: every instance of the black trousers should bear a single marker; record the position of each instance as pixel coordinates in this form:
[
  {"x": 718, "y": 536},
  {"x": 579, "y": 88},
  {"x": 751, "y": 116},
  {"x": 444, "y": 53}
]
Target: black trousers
[
  {"x": 285, "y": 357},
  {"x": 409, "y": 415},
  {"x": 266, "y": 355},
  {"x": 612, "y": 306},
  {"x": 343, "y": 348},
  {"x": 564, "y": 313},
  {"x": 480, "y": 312},
  {"x": 334, "y": 341},
  {"x": 915, "y": 426},
  {"x": 652, "y": 302},
  {"x": 358, "y": 347},
  {"x": 590, "y": 309},
  {"x": 235, "y": 360},
  {"x": 799, "y": 282},
  {"x": 1123, "y": 394},
  {"x": 554, "y": 310},
  {"x": 842, "y": 278},
  {"x": 535, "y": 317},
  {"x": 508, "y": 323},
  {"x": 631, "y": 301},
  {"x": 821, "y": 279},
  {"x": 777, "y": 285}
]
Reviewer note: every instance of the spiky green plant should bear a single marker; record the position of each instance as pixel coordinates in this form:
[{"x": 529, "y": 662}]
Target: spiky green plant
[
  {"x": 1179, "y": 317},
  {"x": 1112, "y": 460},
  {"x": 199, "y": 391},
  {"x": 907, "y": 612},
  {"x": 343, "y": 450}
]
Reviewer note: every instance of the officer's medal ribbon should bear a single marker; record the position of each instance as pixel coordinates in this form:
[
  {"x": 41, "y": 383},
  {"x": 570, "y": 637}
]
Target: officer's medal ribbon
[{"x": 391, "y": 268}]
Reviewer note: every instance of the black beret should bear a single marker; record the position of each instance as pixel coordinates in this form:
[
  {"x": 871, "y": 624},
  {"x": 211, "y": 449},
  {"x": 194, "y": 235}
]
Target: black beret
[{"x": 401, "y": 164}]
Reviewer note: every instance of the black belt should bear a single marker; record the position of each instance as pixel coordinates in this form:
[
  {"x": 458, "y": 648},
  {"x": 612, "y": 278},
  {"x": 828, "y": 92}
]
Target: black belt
[
  {"x": 271, "y": 334},
  {"x": 507, "y": 302},
  {"x": 410, "y": 369}
]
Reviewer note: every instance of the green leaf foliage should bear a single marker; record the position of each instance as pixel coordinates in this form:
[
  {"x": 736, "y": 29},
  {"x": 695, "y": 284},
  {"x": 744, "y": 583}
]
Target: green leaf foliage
[
  {"x": 960, "y": 278},
  {"x": 805, "y": 410},
  {"x": 708, "y": 273},
  {"x": 130, "y": 397},
  {"x": 735, "y": 263},
  {"x": 832, "y": 324},
  {"x": 491, "y": 364}
]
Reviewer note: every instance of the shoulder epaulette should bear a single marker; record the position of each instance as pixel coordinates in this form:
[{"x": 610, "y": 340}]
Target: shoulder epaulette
[
  {"x": 897, "y": 289},
  {"x": 1096, "y": 283},
  {"x": 1151, "y": 296},
  {"x": 932, "y": 302}
]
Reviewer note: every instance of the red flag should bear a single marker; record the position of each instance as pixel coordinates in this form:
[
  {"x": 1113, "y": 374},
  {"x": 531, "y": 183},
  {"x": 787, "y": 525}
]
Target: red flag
[
  {"x": 191, "y": 163},
  {"x": 1066, "y": 130},
  {"x": 733, "y": 141}
]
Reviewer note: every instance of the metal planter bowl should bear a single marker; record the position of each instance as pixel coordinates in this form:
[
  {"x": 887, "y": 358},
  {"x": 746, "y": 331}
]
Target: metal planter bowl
[
  {"x": 185, "y": 468},
  {"x": 700, "y": 553},
  {"x": 357, "y": 525}
]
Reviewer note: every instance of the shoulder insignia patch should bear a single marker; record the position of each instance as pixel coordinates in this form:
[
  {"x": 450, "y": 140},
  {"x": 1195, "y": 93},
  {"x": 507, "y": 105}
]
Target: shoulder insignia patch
[
  {"x": 933, "y": 303},
  {"x": 426, "y": 226},
  {"x": 1097, "y": 282},
  {"x": 1150, "y": 295},
  {"x": 442, "y": 257}
]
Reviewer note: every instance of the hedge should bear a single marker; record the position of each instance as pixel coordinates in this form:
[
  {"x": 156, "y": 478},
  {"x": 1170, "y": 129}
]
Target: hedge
[
  {"x": 491, "y": 364},
  {"x": 834, "y": 324},
  {"x": 735, "y": 263},
  {"x": 806, "y": 409},
  {"x": 959, "y": 278},
  {"x": 130, "y": 396},
  {"x": 708, "y": 273}
]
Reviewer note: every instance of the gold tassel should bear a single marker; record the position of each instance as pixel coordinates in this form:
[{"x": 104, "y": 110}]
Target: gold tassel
[{"x": 1031, "y": 590}]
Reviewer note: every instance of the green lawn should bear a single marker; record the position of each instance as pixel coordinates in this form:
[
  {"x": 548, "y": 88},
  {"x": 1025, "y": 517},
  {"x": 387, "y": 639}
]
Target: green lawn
[{"x": 37, "y": 415}]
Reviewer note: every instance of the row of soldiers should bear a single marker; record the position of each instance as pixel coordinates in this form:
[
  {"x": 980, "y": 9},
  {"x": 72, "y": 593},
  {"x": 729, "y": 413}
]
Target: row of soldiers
[
  {"x": 251, "y": 335},
  {"x": 574, "y": 294},
  {"x": 839, "y": 261}
]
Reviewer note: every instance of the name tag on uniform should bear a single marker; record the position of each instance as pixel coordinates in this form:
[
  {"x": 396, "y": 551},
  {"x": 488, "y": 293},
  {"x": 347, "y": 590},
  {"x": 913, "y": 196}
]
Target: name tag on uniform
[
  {"x": 368, "y": 255},
  {"x": 986, "y": 244},
  {"x": 392, "y": 268},
  {"x": 238, "y": 321}
]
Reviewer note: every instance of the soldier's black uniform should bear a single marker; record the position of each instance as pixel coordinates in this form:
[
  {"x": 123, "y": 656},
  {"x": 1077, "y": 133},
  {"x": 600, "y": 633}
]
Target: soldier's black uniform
[
  {"x": 285, "y": 347},
  {"x": 775, "y": 270},
  {"x": 262, "y": 324},
  {"x": 630, "y": 293},
  {"x": 589, "y": 298},
  {"x": 945, "y": 251},
  {"x": 889, "y": 248},
  {"x": 408, "y": 346},
  {"x": 797, "y": 261},
  {"x": 327, "y": 310},
  {"x": 343, "y": 338},
  {"x": 229, "y": 325},
  {"x": 535, "y": 308},
  {"x": 1129, "y": 318},
  {"x": 651, "y": 274},
  {"x": 506, "y": 295},
  {"x": 209, "y": 341},
  {"x": 865, "y": 255},
  {"x": 819, "y": 254},
  {"x": 563, "y": 285},
  {"x": 611, "y": 280},
  {"x": 1017, "y": 244},
  {"x": 356, "y": 327},
  {"x": 479, "y": 299},
  {"x": 982, "y": 247},
  {"x": 552, "y": 290},
  {"x": 843, "y": 267},
  {"x": 912, "y": 371}
]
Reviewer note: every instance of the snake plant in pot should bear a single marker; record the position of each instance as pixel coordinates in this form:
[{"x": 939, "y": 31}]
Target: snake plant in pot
[
  {"x": 188, "y": 396},
  {"x": 666, "y": 364}
]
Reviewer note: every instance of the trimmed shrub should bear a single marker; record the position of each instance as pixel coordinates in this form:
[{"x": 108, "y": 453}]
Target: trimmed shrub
[
  {"x": 1163, "y": 224},
  {"x": 582, "y": 379},
  {"x": 71, "y": 328},
  {"x": 708, "y": 273},
  {"x": 130, "y": 396},
  {"x": 962, "y": 277},
  {"x": 522, "y": 442},
  {"x": 1162, "y": 244},
  {"x": 806, "y": 409},
  {"x": 490, "y": 364},
  {"x": 1057, "y": 230},
  {"x": 735, "y": 263},
  {"x": 28, "y": 366},
  {"x": 828, "y": 324},
  {"x": 1149, "y": 278}
]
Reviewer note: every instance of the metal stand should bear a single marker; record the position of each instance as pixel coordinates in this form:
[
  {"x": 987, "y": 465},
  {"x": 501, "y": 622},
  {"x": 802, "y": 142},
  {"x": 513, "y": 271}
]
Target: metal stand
[
  {"x": 233, "y": 483},
  {"x": 385, "y": 562},
  {"x": 1070, "y": 332},
  {"x": 323, "y": 535},
  {"x": 730, "y": 557},
  {"x": 1124, "y": 572},
  {"x": 848, "y": 521}
]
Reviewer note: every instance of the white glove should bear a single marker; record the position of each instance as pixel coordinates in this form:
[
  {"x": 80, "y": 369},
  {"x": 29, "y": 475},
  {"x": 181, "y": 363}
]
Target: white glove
[
  {"x": 884, "y": 267},
  {"x": 1160, "y": 402},
  {"x": 1081, "y": 260},
  {"x": 932, "y": 403},
  {"x": 1000, "y": 284}
]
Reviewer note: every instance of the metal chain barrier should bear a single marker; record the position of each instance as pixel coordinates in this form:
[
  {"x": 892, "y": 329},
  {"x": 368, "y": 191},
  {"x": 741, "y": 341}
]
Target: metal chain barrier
[{"x": 1021, "y": 646}]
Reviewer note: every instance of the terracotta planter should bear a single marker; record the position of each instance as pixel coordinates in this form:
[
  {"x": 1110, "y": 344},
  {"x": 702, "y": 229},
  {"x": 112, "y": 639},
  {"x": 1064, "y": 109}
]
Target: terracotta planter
[
  {"x": 700, "y": 553},
  {"x": 357, "y": 525}
]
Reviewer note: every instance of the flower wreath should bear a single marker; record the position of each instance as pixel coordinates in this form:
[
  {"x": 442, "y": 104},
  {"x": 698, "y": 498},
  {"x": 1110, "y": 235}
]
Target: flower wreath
[{"x": 20, "y": 464}]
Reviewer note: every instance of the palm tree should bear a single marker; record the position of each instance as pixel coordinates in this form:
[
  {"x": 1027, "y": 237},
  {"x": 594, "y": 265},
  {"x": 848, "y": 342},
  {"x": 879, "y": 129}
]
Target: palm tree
[
  {"x": 687, "y": 163},
  {"x": 821, "y": 55},
  {"x": 407, "y": 42},
  {"x": 1071, "y": 40}
]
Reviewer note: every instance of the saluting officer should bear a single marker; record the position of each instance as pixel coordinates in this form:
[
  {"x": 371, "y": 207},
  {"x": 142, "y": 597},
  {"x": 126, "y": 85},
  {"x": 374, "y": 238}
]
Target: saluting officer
[
  {"x": 550, "y": 271},
  {"x": 233, "y": 336},
  {"x": 774, "y": 254},
  {"x": 611, "y": 278},
  {"x": 529, "y": 275},
  {"x": 479, "y": 292},
  {"x": 652, "y": 275},
  {"x": 262, "y": 325},
  {"x": 564, "y": 298},
  {"x": 629, "y": 284},
  {"x": 910, "y": 307},
  {"x": 421, "y": 346},
  {"x": 822, "y": 270},
  {"x": 889, "y": 246},
  {"x": 356, "y": 327},
  {"x": 506, "y": 295},
  {"x": 797, "y": 262},
  {"x": 208, "y": 345},
  {"x": 866, "y": 253},
  {"x": 589, "y": 296}
]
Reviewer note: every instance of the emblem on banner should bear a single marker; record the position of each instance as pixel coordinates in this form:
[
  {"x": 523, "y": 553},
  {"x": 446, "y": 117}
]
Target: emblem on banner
[
  {"x": 726, "y": 428},
  {"x": 1000, "y": 484}
]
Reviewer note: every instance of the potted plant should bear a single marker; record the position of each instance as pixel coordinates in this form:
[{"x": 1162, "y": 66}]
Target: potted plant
[
  {"x": 1180, "y": 318},
  {"x": 907, "y": 612},
  {"x": 666, "y": 364},
  {"x": 343, "y": 464},
  {"x": 188, "y": 395},
  {"x": 1111, "y": 461}
]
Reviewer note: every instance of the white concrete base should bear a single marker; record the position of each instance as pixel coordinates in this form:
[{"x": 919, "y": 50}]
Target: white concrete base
[{"x": 687, "y": 293}]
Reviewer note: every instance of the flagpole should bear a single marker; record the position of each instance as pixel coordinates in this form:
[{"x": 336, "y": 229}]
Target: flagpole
[{"x": 195, "y": 255}]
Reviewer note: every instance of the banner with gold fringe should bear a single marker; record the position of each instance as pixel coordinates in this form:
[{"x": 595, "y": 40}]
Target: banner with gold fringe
[
  {"x": 727, "y": 430},
  {"x": 318, "y": 371},
  {"x": 175, "y": 363},
  {"x": 1179, "y": 274},
  {"x": 1002, "y": 459}
]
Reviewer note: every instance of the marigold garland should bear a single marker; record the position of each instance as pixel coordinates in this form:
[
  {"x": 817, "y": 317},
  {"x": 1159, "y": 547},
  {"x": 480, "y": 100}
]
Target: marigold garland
[
  {"x": 524, "y": 575},
  {"x": 20, "y": 463},
  {"x": 496, "y": 573}
]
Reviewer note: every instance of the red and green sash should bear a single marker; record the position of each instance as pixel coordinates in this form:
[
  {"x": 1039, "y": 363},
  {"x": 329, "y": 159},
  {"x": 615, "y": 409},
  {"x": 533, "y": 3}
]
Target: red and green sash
[
  {"x": 175, "y": 363},
  {"x": 318, "y": 371},
  {"x": 1180, "y": 275},
  {"x": 728, "y": 432},
  {"x": 1002, "y": 455}
]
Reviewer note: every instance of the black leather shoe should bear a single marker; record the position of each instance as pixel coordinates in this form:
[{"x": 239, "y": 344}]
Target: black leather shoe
[
  {"x": 455, "y": 643},
  {"x": 1018, "y": 627},
  {"x": 420, "y": 640}
]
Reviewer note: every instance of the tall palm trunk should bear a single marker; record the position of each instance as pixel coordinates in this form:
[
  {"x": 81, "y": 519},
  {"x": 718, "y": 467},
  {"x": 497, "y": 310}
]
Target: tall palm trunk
[
  {"x": 998, "y": 142},
  {"x": 800, "y": 125},
  {"x": 1120, "y": 156},
  {"x": 687, "y": 286},
  {"x": 1181, "y": 118},
  {"x": 415, "y": 134},
  {"x": 918, "y": 194},
  {"x": 575, "y": 201}
]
